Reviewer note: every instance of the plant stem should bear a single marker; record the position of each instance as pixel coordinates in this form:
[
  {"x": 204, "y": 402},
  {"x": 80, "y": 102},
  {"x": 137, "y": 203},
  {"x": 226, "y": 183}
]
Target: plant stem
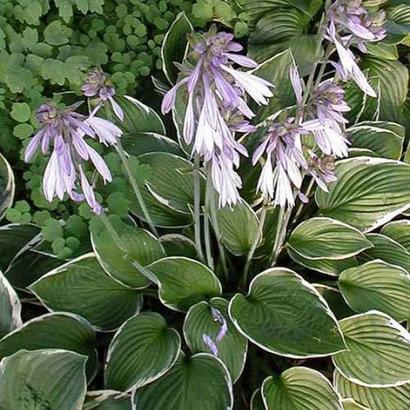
[
  {"x": 207, "y": 232},
  {"x": 301, "y": 205},
  {"x": 254, "y": 245},
  {"x": 197, "y": 208},
  {"x": 135, "y": 187},
  {"x": 283, "y": 219}
]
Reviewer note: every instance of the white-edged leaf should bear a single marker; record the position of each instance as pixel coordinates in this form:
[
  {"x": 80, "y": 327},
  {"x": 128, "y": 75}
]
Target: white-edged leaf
[
  {"x": 379, "y": 351},
  {"x": 42, "y": 379},
  {"x": 142, "y": 350},
  {"x": 326, "y": 238},
  {"x": 10, "y": 307},
  {"x": 257, "y": 401},
  {"x": 335, "y": 300},
  {"x": 368, "y": 192},
  {"x": 81, "y": 286},
  {"x": 7, "y": 186},
  {"x": 286, "y": 315},
  {"x": 107, "y": 400},
  {"x": 399, "y": 231},
  {"x": 350, "y": 404}
]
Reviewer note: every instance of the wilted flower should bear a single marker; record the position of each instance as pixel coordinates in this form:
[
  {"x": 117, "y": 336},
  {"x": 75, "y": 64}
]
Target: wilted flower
[
  {"x": 350, "y": 23},
  {"x": 64, "y": 130},
  {"x": 98, "y": 85},
  {"x": 322, "y": 170},
  {"x": 216, "y": 106}
]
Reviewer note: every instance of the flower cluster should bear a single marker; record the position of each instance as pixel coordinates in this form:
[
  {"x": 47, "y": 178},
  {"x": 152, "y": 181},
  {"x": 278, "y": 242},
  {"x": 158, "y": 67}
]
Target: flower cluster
[
  {"x": 216, "y": 107},
  {"x": 64, "y": 130},
  {"x": 351, "y": 24}
]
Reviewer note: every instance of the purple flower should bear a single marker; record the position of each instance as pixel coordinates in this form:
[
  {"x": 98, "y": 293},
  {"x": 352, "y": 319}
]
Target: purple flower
[
  {"x": 216, "y": 107},
  {"x": 218, "y": 317},
  {"x": 322, "y": 170},
  {"x": 64, "y": 130},
  {"x": 97, "y": 85},
  {"x": 210, "y": 344}
]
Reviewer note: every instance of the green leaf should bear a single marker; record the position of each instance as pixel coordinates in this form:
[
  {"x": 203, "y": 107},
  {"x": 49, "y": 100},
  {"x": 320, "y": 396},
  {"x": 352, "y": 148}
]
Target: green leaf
[
  {"x": 171, "y": 180},
  {"x": 350, "y": 404},
  {"x": 175, "y": 46},
  {"x": 399, "y": 231},
  {"x": 146, "y": 142},
  {"x": 7, "y": 186},
  {"x": 42, "y": 379},
  {"x": 54, "y": 330},
  {"x": 375, "y": 398},
  {"x": 139, "y": 117},
  {"x": 107, "y": 400},
  {"x": 238, "y": 226},
  {"x": 20, "y": 112},
  {"x": 379, "y": 351},
  {"x": 72, "y": 288},
  {"x": 10, "y": 307},
  {"x": 387, "y": 250},
  {"x": 299, "y": 388},
  {"x": 257, "y": 401},
  {"x": 56, "y": 33},
  {"x": 137, "y": 245},
  {"x": 142, "y": 350},
  {"x": 285, "y": 315},
  {"x": 184, "y": 282},
  {"x": 335, "y": 301},
  {"x": 385, "y": 143},
  {"x": 179, "y": 245},
  {"x": 319, "y": 238},
  {"x": 233, "y": 347},
  {"x": 332, "y": 267},
  {"x": 199, "y": 382},
  {"x": 377, "y": 285},
  {"x": 368, "y": 192}
]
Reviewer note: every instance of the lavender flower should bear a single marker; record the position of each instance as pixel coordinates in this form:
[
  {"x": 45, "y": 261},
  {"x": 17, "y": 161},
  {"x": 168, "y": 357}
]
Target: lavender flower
[
  {"x": 97, "y": 85},
  {"x": 216, "y": 107},
  {"x": 211, "y": 344},
  {"x": 350, "y": 23},
  {"x": 218, "y": 317},
  {"x": 64, "y": 130},
  {"x": 322, "y": 170}
]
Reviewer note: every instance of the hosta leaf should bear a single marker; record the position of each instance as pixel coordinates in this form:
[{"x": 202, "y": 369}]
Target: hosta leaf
[
  {"x": 42, "y": 379},
  {"x": 335, "y": 301},
  {"x": 379, "y": 351},
  {"x": 384, "y": 142},
  {"x": 183, "y": 282},
  {"x": 54, "y": 330},
  {"x": 174, "y": 46},
  {"x": 387, "y": 250},
  {"x": 137, "y": 245},
  {"x": 199, "y": 382},
  {"x": 138, "y": 117},
  {"x": 399, "y": 231},
  {"x": 375, "y": 398},
  {"x": 179, "y": 245},
  {"x": 142, "y": 350},
  {"x": 171, "y": 180},
  {"x": 81, "y": 286},
  {"x": 107, "y": 400},
  {"x": 232, "y": 348},
  {"x": 319, "y": 238},
  {"x": 285, "y": 315},
  {"x": 7, "y": 186},
  {"x": 14, "y": 238},
  {"x": 332, "y": 267},
  {"x": 257, "y": 401},
  {"x": 299, "y": 388},
  {"x": 238, "y": 226},
  {"x": 350, "y": 404},
  {"x": 10, "y": 307},
  {"x": 377, "y": 285},
  {"x": 368, "y": 192},
  {"x": 146, "y": 142}
]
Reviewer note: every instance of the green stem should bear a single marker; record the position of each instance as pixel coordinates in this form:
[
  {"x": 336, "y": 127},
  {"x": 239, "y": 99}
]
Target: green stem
[
  {"x": 197, "y": 208},
  {"x": 302, "y": 205},
  {"x": 207, "y": 232},
  {"x": 283, "y": 219},
  {"x": 135, "y": 187},
  {"x": 254, "y": 245}
]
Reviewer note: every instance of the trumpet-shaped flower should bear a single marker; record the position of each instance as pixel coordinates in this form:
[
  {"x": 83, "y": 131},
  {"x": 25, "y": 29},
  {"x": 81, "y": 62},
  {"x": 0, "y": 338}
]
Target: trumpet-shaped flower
[{"x": 64, "y": 131}]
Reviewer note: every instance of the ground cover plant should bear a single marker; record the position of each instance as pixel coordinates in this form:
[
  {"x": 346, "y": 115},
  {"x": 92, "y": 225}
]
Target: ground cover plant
[{"x": 204, "y": 205}]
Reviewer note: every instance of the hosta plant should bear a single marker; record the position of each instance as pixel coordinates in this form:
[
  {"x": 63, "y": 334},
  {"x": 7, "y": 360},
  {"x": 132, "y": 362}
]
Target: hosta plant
[{"x": 249, "y": 247}]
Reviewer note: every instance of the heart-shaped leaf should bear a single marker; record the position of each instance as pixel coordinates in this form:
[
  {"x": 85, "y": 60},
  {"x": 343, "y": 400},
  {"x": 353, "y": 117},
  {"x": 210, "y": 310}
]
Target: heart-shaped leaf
[
  {"x": 7, "y": 186},
  {"x": 10, "y": 307},
  {"x": 137, "y": 245},
  {"x": 142, "y": 350},
  {"x": 379, "y": 351},
  {"x": 377, "y": 285},
  {"x": 81, "y": 286},
  {"x": 319, "y": 238},
  {"x": 284, "y": 314},
  {"x": 399, "y": 231},
  {"x": 357, "y": 201},
  {"x": 374, "y": 398},
  {"x": 211, "y": 319},
  {"x": 183, "y": 282},
  {"x": 299, "y": 388},
  {"x": 49, "y": 378},
  {"x": 199, "y": 382},
  {"x": 54, "y": 330}
]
